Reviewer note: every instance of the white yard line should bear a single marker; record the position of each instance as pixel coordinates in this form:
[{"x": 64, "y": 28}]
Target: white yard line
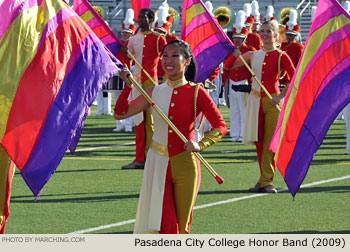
[{"x": 212, "y": 204}]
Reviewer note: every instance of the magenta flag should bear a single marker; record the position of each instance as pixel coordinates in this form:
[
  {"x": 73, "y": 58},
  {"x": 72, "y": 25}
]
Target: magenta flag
[{"x": 319, "y": 90}]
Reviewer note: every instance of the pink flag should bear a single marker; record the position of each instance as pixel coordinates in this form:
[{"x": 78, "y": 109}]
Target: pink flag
[{"x": 137, "y": 5}]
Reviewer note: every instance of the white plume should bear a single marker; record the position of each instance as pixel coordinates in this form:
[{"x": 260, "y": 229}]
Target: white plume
[
  {"x": 162, "y": 15},
  {"x": 269, "y": 12},
  {"x": 209, "y": 6},
  {"x": 293, "y": 16},
  {"x": 247, "y": 7},
  {"x": 347, "y": 6},
  {"x": 240, "y": 21},
  {"x": 129, "y": 17}
]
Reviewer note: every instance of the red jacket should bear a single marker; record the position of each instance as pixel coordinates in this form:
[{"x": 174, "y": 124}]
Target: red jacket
[
  {"x": 121, "y": 58},
  {"x": 151, "y": 52},
  {"x": 238, "y": 73},
  {"x": 181, "y": 113},
  {"x": 254, "y": 40},
  {"x": 270, "y": 75}
]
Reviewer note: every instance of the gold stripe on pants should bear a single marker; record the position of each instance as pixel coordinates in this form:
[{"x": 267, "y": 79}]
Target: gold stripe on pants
[{"x": 271, "y": 115}]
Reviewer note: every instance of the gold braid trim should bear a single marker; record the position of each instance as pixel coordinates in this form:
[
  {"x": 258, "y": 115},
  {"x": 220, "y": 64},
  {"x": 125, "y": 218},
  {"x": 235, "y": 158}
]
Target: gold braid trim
[
  {"x": 211, "y": 138},
  {"x": 279, "y": 64},
  {"x": 284, "y": 91},
  {"x": 195, "y": 106}
]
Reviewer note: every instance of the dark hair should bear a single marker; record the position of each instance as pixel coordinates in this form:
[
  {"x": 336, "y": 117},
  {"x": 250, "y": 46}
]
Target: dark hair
[
  {"x": 191, "y": 69},
  {"x": 149, "y": 13}
]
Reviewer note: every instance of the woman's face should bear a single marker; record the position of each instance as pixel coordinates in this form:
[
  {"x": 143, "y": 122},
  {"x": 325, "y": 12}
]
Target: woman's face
[
  {"x": 173, "y": 62},
  {"x": 267, "y": 34}
]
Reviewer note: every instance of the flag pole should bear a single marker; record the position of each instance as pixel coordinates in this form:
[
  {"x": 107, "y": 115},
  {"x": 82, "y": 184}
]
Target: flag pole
[
  {"x": 258, "y": 81},
  {"x": 140, "y": 66},
  {"x": 166, "y": 119}
]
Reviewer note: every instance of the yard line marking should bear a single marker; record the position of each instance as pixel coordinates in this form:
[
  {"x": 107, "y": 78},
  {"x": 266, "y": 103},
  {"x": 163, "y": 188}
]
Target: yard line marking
[
  {"x": 212, "y": 204},
  {"x": 104, "y": 147}
]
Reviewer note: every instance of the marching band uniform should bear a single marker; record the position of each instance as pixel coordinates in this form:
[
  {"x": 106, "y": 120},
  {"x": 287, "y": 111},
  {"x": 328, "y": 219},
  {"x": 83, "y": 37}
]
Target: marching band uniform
[
  {"x": 261, "y": 117},
  {"x": 236, "y": 76},
  {"x": 147, "y": 48},
  {"x": 202, "y": 124},
  {"x": 253, "y": 39},
  {"x": 256, "y": 15},
  {"x": 128, "y": 26},
  {"x": 163, "y": 26},
  {"x": 172, "y": 176},
  {"x": 293, "y": 49}
]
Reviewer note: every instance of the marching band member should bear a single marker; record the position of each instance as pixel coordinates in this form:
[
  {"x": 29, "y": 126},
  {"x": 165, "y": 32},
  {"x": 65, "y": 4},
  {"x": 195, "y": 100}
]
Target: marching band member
[
  {"x": 253, "y": 39},
  {"x": 128, "y": 29},
  {"x": 172, "y": 172},
  {"x": 163, "y": 26},
  {"x": 293, "y": 48},
  {"x": 256, "y": 16},
  {"x": 261, "y": 116},
  {"x": 237, "y": 76},
  {"x": 146, "y": 45}
]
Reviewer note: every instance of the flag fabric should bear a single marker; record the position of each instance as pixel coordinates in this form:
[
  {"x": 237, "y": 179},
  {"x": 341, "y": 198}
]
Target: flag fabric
[
  {"x": 52, "y": 66},
  {"x": 6, "y": 175},
  {"x": 209, "y": 43},
  {"x": 319, "y": 90},
  {"x": 84, "y": 9},
  {"x": 87, "y": 13},
  {"x": 137, "y": 5}
]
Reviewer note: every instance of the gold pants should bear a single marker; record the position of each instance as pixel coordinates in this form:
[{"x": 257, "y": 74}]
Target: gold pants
[{"x": 268, "y": 117}]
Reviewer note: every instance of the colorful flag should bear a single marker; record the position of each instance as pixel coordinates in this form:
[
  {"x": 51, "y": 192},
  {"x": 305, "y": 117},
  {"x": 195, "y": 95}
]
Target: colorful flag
[
  {"x": 52, "y": 66},
  {"x": 319, "y": 90},
  {"x": 6, "y": 175},
  {"x": 137, "y": 5},
  {"x": 209, "y": 43},
  {"x": 98, "y": 25}
]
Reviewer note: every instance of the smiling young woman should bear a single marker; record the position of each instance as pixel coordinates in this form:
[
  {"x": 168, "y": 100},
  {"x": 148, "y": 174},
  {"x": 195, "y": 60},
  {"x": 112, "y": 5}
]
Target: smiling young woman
[
  {"x": 261, "y": 115},
  {"x": 172, "y": 172}
]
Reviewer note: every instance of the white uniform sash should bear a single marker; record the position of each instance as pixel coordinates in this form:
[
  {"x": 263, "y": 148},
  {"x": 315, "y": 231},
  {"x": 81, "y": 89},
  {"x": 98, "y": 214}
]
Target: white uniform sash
[{"x": 250, "y": 134}]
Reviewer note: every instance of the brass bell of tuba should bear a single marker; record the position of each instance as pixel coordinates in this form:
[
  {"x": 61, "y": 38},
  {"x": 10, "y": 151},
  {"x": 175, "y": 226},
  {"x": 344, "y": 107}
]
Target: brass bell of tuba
[{"x": 223, "y": 15}]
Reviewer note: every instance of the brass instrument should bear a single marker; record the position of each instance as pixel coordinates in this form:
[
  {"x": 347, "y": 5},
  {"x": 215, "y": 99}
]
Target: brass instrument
[
  {"x": 223, "y": 15},
  {"x": 284, "y": 14},
  {"x": 100, "y": 10},
  {"x": 175, "y": 16}
]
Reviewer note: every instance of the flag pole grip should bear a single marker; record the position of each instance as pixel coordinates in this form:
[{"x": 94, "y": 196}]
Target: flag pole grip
[{"x": 258, "y": 81}]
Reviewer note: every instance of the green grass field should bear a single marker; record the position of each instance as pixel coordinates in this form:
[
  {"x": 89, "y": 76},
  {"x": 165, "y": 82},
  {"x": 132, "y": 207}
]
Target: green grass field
[{"x": 90, "y": 190}]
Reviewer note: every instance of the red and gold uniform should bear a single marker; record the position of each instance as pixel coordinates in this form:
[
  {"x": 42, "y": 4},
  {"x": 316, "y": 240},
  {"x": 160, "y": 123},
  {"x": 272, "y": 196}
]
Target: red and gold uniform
[
  {"x": 147, "y": 48},
  {"x": 172, "y": 176},
  {"x": 236, "y": 100},
  {"x": 254, "y": 40},
  {"x": 261, "y": 117},
  {"x": 238, "y": 73},
  {"x": 293, "y": 49}
]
